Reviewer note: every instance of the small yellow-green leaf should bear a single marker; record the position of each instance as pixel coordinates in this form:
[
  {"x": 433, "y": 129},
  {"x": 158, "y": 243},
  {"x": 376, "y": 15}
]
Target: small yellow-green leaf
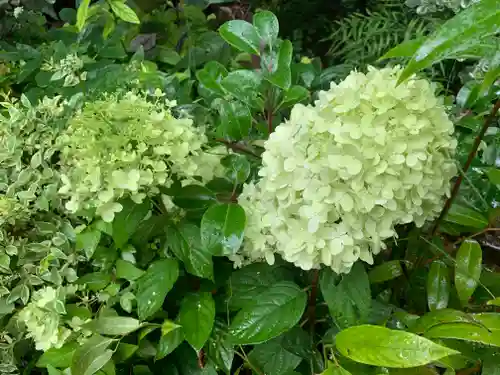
[
  {"x": 123, "y": 11},
  {"x": 82, "y": 14},
  {"x": 380, "y": 346},
  {"x": 494, "y": 302}
]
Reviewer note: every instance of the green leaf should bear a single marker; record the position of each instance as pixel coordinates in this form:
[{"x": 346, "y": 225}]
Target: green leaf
[
  {"x": 91, "y": 356},
  {"x": 438, "y": 286},
  {"x": 277, "y": 310},
  {"x": 335, "y": 369},
  {"x": 242, "y": 84},
  {"x": 492, "y": 74},
  {"x": 385, "y": 272},
  {"x": 273, "y": 359},
  {"x": 494, "y": 175},
  {"x": 380, "y": 346},
  {"x": 464, "y": 331},
  {"x": 114, "y": 325},
  {"x": 405, "y": 49},
  {"x": 247, "y": 284},
  {"x": 194, "y": 197},
  {"x": 236, "y": 119},
  {"x": 494, "y": 302},
  {"x": 124, "y": 351},
  {"x": 237, "y": 168},
  {"x": 95, "y": 281},
  {"x": 197, "y": 316},
  {"x": 58, "y": 357},
  {"x": 123, "y": 11},
  {"x": 465, "y": 216},
  {"x": 458, "y": 34},
  {"x": 87, "y": 241},
  {"x": 241, "y": 35},
  {"x": 491, "y": 364},
  {"x": 81, "y": 14},
  {"x": 468, "y": 269},
  {"x": 185, "y": 243},
  {"x": 350, "y": 301},
  {"x": 168, "y": 55},
  {"x": 222, "y": 228},
  {"x": 210, "y": 77},
  {"x": 278, "y": 70},
  {"x": 294, "y": 95},
  {"x": 170, "y": 339},
  {"x": 153, "y": 286},
  {"x": 128, "y": 219},
  {"x": 437, "y": 317},
  {"x": 267, "y": 26},
  {"x": 219, "y": 348},
  {"x": 126, "y": 270}
]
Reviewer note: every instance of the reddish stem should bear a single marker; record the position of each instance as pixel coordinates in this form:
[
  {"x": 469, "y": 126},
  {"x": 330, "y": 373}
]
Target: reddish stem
[{"x": 313, "y": 295}]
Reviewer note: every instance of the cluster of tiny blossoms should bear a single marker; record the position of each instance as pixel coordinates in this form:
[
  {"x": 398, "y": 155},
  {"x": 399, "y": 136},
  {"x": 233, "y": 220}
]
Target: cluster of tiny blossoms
[
  {"x": 339, "y": 175},
  {"x": 127, "y": 146},
  {"x": 432, "y": 6}
]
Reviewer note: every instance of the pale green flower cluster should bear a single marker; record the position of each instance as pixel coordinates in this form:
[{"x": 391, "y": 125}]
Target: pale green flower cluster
[
  {"x": 127, "y": 146},
  {"x": 432, "y": 6},
  {"x": 338, "y": 176},
  {"x": 42, "y": 317}
]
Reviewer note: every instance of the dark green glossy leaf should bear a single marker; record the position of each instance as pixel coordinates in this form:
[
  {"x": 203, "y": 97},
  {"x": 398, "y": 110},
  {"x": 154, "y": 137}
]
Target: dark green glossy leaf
[
  {"x": 124, "y": 351},
  {"x": 222, "y": 228},
  {"x": 172, "y": 336},
  {"x": 271, "y": 358},
  {"x": 197, "y": 315},
  {"x": 194, "y": 197},
  {"x": 153, "y": 286},
  {"x": 438, "y": 286},
  {"x": 458, "y": 34},
  {"x": 58, "y": 357},
  {"x": 350, "y": 301},
  {"x": 380, "y": 346},
  {"x": 488, "y": 319},
  {"x": 219, "y": 348},
  {"x": 468, "y": 269},
  {"x": 242, "y": 84},
  {"x": 267, "y": 26},
  {"x": 294, "y": 95},
  {"x": 113, "y": 325},
  {"x": 91, "y": 356},
  {"x": 126, "y": 270},
  {"x": 128, "y": 219},
  {"x": 277, "y": 310},
  {"x": 95, "y": 281},
  {"x": 385, "y": 272},
  {"x": 335, "y": 369},
  {"x": 278, "y": 69},
  {"x": 464, "y": 331},
  {"x": 465, "y": 216},
  {"x": 241, "y": 35},
  {"x": 438, "y": 317},
  {"x": 185, "y": 243},
  {"x": 238, "y": 168},
  {"x": 236, "y": 119}
]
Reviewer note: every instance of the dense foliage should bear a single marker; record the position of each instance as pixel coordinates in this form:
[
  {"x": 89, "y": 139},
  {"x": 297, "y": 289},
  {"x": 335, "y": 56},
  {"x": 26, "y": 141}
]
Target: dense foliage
[{"x": 184, "y": 192}]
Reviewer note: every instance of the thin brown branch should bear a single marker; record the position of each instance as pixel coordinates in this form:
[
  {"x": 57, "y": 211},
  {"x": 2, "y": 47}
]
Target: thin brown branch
[
  {"x": 238, "y": 147},
  {"x": 313, "y": 295},
  {"x": 470, "y": 158}
]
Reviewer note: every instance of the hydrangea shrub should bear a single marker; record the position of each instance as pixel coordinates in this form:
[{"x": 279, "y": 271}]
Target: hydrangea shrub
[{"x": 339, "y": 175}]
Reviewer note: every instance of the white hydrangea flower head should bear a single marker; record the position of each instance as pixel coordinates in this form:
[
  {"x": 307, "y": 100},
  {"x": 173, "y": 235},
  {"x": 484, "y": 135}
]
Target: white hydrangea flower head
[
  {"x": 339, "y": 175},
  {"x": 128, "y": 146}
]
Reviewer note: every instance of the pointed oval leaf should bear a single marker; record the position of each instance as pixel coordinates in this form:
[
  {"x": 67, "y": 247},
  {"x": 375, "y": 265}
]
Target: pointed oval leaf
[
  {"x": 241, "y": 35},
  {"x": 91, "y": 356},
  {"x": 277, "y": 310},
  {"x": 128, "y": 219},
  {"x": 242, "y": 84},
  {"x": 153, "y": 286},
  {"x": 220, "y": 348},
  {"x": 380, "y": 346},
  {"x": 294, "y": 95},
  {"x": 468, "y": 269},
  {"x": 236, "y": 119},
  {"x": 278, "y": 70},
  {"x": 82, "y": 14},
  {"x": 335, "y": 369},
  {"x": 267, "y": 26},
  {"x": 169, "y": 341},
  {"x": 222, "y": 228},
  {"x": 123, "y": 11},
  {"x": 194, "y": 197},
  {"x": 437, "y": 317},
  {"x": 465, "y": 216},
  {"x": 58, "y": 357},
  {"x": 458, "y": 34},
  {"x": 385, "y": 272},
  {"x": 126, "y": 270},
  {"x": 113, "y": 325},
  {"x": 197, "y": 315},
  {"x": 438, "y": 286},
  {"x": 465, "y": 331}
]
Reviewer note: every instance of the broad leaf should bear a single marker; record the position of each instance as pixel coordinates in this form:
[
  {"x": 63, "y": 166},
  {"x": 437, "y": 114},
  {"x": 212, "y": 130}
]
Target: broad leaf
[
  {"x": 242, "y": 84},
  {"x": 95, "y": 281},
  {"x": 273, "y": 359},
  {"x": 494, "y": 176},
  {"x": 386, "y": 271},
  {"x": 335, "y": 369},
  {"x": 194, "y": 197},
  {"x": 91, "y": 356},
  {"x": 236, "y": 119},
  {"x": 438, "y": 286},
  {"x": 237, "y": 168},
  {"x": 438, "y": 317},
  {"x": 197, "y": 316},
  {"x": 491, "y": 364},
  {"x": 123, "y": 11},
  {"x": 277, "y": 68},
  {"x": 126, "y": 270},
  {"x": 267, "y": 26},
  {"x": 458, "y": 34},
  {"x": 82, "y": 14},
  {"x": 124, "y": 351},
  {"x": 468, "y": 269},
  {"x": 464, "y": 331},
  {"x": 58, "y": 357},
  {"x": 153, "y": 286},
  {"x": 380, "y": 346},
  {"x": 210, "y": 78},
  {"x": 113, "y": 325},
  {"x": 405, "y": 49},
  {"x": 241, "y": 35},
  {"x": 277, "y": 310},
  {"x": 219, "y": 348},
  {"x": 128, "y": 219},
  {"x": 294, "y": 95},
  {"x": 185, "y": 243},
  {"x": 87, "y": 241},
  {"x": 171, "y": 337},
  {"x": 467, "y": 217},
  {"x": 222, "y": 228},
  {"x": 350, "y": 301}
]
